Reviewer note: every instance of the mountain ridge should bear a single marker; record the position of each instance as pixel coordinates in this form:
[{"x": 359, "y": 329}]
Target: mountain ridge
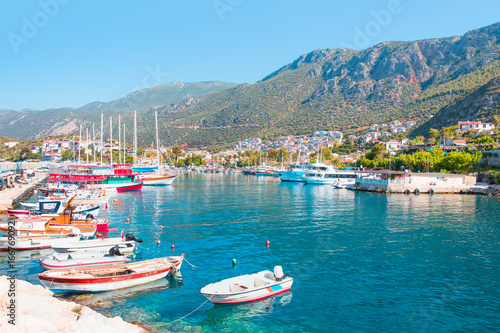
[{"x": 332, "y": 89}]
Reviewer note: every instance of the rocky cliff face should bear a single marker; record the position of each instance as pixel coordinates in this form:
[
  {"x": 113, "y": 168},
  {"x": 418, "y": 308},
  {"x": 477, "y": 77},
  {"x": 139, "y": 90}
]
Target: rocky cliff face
[{"x": 481, "y": 104}]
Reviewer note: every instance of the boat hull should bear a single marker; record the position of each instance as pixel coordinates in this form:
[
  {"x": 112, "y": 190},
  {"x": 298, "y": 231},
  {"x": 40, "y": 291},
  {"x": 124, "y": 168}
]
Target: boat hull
[
  {"x": 246, "y": 288},
  {"x": 62, "y": 281},
  {"x": 158, "y": 180},
  {"x": 51, "y": 263},
  {"x": 250, "y": 297},
  {"x": 34, "y": 243},
  {"x": 130, "y": 187},
  {"x": 97, "y": 245}
]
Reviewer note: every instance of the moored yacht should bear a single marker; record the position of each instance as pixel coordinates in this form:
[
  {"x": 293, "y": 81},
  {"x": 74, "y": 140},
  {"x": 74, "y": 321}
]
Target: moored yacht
[{"x": 340, "y": 178}]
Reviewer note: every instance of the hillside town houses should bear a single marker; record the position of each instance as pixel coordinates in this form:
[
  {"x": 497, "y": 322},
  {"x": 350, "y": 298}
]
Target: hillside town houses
[{"x": 52, "y": 150}]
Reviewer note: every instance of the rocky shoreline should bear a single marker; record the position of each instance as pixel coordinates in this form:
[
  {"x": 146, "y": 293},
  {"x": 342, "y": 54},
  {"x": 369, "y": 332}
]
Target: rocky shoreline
[
  {"x": 492, "y": 190},
  {"x": 37, "y": 310}
]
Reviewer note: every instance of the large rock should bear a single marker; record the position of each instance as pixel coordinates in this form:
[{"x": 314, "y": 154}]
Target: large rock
[{"x": 38, "y": 311}]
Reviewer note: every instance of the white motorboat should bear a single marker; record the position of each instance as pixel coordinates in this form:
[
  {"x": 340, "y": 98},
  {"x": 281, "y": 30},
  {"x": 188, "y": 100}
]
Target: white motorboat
[
  {"x": 125, "y": 245},
  {"x": 35, "y": 242},
  {"x": 82, "y": 259},
  {"x": 330, "y": 177},
  {"x": 247, "y": 288}
]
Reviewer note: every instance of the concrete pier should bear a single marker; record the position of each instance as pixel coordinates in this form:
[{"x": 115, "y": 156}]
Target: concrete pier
[{"x": 10, "y": 197}]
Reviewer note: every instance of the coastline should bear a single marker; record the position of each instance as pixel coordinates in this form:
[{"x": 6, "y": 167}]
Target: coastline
[
  {"x": 36, "y": 309},
  {"x": 9, "y": 197}
]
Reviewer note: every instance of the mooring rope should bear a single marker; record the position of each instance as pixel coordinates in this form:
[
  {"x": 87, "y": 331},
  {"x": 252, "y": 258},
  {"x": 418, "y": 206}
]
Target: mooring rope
[
  {"x": 185, "y": 315},
  {"x": 189, "y": 263}
]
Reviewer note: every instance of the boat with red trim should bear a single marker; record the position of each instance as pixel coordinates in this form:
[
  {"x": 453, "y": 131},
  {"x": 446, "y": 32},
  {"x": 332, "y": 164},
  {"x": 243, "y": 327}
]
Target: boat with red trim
[
  {"x": 248, "y": 288},
  {"x": 112, "y": 277}
]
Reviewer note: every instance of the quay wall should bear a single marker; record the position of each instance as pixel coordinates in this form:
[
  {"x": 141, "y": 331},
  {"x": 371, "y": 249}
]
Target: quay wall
[{"x": 420, "y": 183}]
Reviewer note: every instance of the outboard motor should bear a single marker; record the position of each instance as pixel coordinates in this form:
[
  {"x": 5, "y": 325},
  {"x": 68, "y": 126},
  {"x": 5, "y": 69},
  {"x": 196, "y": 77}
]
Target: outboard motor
[
  {"x": 114, "y": 251},
  {"x": 89, "y": 216},
  {"x": 278, "y": 273},
  {"x": 131, "y": 237}
]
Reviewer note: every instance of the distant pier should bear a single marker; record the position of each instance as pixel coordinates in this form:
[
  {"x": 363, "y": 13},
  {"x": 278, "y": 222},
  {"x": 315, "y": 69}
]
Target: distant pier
[{"x": 9, "y": 197}]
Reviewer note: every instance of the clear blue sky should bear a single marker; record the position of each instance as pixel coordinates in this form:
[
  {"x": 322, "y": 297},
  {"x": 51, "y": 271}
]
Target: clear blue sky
[{"x": 90, "y": 50}]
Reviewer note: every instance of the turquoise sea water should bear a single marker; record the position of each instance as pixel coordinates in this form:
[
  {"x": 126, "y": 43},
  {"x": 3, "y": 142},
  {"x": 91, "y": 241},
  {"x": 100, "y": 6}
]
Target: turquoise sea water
[{"x": 362, "y": 262}]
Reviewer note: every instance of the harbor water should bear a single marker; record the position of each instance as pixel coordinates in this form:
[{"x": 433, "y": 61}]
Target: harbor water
[{"x": 361, "y": 262}]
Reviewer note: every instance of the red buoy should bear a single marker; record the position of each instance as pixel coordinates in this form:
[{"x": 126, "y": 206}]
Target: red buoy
[
  {"x": 267, "y": 243},
  {"x": 161, "y": 227},
  {"x": 127, "y": 221},
  {"x": 172, "y": 247},
  {"x": 158, "y": 242}
]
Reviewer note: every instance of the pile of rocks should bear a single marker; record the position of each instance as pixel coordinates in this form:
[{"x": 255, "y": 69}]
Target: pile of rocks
[{"x": 36, "y": 310}]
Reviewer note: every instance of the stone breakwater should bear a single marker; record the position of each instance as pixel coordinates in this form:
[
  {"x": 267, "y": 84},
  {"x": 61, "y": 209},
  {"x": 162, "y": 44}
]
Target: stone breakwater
[
  {"x": 36, "y": 310},
  {"x": 492, "y": 190}
]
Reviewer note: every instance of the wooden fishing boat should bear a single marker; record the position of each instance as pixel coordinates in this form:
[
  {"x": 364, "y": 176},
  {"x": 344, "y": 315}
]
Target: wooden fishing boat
[
  {"x": 80, "y": 260},
  {"x": 104, "y": 278},
  {"x": 125, "y": 245},
  {"x": 247, "y": 288},
  {"x": 35, "y": 242}
]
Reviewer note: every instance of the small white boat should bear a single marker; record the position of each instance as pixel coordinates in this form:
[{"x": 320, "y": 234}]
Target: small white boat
[
  {"x": 112, "y": 277},
  {"x": 125, "y": 245},
  {"x": 80, "y": 260},
  {"x": 35, "y": 242},
  {"x": 247, "y": 288}
]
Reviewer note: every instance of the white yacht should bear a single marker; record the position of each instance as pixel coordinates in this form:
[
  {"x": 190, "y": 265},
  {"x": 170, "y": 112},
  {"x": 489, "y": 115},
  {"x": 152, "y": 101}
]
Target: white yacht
[
  {"x": 332, "y": 176},
  {"x": 296, "y": 172}
]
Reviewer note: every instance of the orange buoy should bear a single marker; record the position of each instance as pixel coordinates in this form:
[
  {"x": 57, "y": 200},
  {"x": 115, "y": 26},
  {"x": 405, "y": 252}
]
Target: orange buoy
[
  {"x": 158, "y": 242},
  {"x": 161, "y": 227},
  {"x": 99, "y": 234},
  {"x": 127, "y": 221},
  {"x": 267, "y": 243}
]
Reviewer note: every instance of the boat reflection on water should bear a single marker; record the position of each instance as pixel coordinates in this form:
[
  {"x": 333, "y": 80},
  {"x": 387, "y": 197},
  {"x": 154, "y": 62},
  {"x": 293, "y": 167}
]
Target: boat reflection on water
[
  {"x": 224, "y": 313},
  {"x": 115, "y": 298},
  {"x": 25, "y": 255}
]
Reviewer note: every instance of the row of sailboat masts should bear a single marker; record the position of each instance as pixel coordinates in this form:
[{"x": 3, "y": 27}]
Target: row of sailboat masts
[{"x": 120, "y": 136}]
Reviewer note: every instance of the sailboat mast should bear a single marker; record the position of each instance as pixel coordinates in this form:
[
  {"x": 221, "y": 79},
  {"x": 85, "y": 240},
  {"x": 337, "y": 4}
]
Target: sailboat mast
[
  {"x": 87, "y": 146},
  {"x": 102, "y": 121},
  {"x": 119, "y": 139},
  {"x": 93, "y": 141},
  {"x": 157, "y": 142},
  {"x": 111, "y": 141},
  {"x": 80, "y": 144},
  {"x": 135, "y": 137},
  {"x": 124, "y": 145}
]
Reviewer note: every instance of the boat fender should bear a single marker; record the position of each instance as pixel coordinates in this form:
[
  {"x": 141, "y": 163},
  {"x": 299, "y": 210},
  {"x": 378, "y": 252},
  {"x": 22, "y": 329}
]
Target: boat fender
[
  {"x": 417, "y": 191},
  {"x": 278, "y": 273},
  {"x": 173, "y": 271},
  {"x": 431, "y": 191}
]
